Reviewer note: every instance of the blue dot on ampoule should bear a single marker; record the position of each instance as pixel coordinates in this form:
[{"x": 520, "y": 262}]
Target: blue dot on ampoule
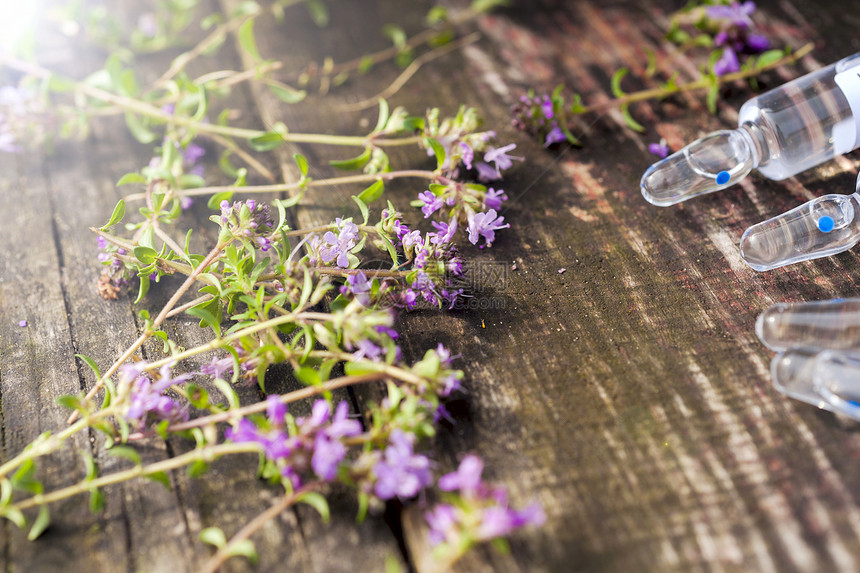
[
  {"x": 825, "y": 224},
  {"x": 723, "y": 177}
]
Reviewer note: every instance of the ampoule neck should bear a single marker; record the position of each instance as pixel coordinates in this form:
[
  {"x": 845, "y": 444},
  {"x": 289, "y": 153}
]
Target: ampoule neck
[{"x": 757, "y": 142}]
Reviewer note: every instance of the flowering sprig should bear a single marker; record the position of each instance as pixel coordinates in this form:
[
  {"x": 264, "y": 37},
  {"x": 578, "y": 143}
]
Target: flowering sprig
[
  {"x": 736, "y": 51},
  {"x": 474, "y": 512}
]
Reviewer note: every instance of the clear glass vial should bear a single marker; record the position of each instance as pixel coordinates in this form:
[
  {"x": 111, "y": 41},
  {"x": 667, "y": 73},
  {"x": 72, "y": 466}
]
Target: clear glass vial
[{"x": 789, "y": 129}]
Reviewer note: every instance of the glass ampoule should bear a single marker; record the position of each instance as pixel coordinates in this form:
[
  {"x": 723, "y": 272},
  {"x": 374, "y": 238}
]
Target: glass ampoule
[
  {"x": 782, "y": 132},
  {"x": 825, "y": 226}
]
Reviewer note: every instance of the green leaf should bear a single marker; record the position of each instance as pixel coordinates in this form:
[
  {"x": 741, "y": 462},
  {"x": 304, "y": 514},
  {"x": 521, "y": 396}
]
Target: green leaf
[
  {"x": 215, "y": 200},
  {"x": 318, "y": 502},
  {"x": 131, "y": 178},
  {"x": 384, "y": 114},
  {"x": 396, "y": 34},
  {"x": 768, "y": 58},
  {"x": 144, "y": 288},
  {"x": 286, "y": 93},
  {"x": 355, "y": 162},
  {"x": 213, "y": 536},
  {"x": 318, "y": 12},
  {"x": 97, "y": 500},
  {"x": 16, "y": 516},
  {"x": 228, "y": 391},
  {"x": 246, "y": 39},
  {"x": 373, "y": 192},
  {"x": 41, "y": 523},
  {"x": 127, "y": 453},
  {"x": 210, "y": 315},
  {"x": 140, "y": 131},
  {"x": 70, "y": 401},
  {"x": 159, "y": 477},
  {"x": 438, "y": 151},
  {"x": 302, "y": 162},
  {"x": 365, "y": 214},
  {"x": 197, "y": 469},
  {"x": 628, "y": 119},
  {"x": 308, "y": 376},
  {"x": 267, "y": 141},
  {"x": 616, "y": 82},
  {"x": 145, "y": 255},
  {"x": 245, "y": 548},
  {"x": 357, "y": 368},
  {"x": 91, "y": 363},
  {"x": 116, "y": 216}
]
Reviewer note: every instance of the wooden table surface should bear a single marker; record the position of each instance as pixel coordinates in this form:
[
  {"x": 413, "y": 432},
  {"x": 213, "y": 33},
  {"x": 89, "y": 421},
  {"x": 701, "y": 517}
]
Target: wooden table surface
[{"x": 629, "y": 394}]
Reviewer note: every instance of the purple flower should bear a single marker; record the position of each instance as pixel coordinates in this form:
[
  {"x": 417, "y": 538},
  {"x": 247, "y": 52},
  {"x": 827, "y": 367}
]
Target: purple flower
[
  {"x": 485, "y": 225},
  {"x": 413, "y": 238},
  {"x": 727, "y": 63},
  {"x": 185, "y": 203},
  {"x": 467, "y": 478},
  {"x": 487, "y": 172},
  {"x": 101, "y": 242},
  {"x": 192, "y": 154},
  {"x": 546, "y": 107},
  {"x": 499, "y": 521},
  {"x": 367, "y": 349},
  {"x": 493, "y": 198},
  {"x": 432, "y": 203},
  {"x": 661, "y": 150},
  {"x": 146, "y": 397},
  {"x": 400, "y": 228},
  {"x": 147, "y": 24},
  {"x": 218, "y": 367},
  {"x": 443, "y": 523},
  {"x": 338, "y": 246},
  {"x": 500, "y": 156},
  {"x": 555, "y": 135},
  {"x": 757, "y": 42},
  {"x": 446, "y": 232},
  {"x": 400, "y": 472},
  {"x": 275, "y": 410},
  {"x": 329, "y": 451},
  {"x": 22, "y": 323},
  {"x": 468, "y": 155},
  {"x": 738, "y": 14}
]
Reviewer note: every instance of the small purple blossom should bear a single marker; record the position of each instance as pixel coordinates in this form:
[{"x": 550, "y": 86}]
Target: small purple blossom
[
  {"x": 218, "y": 367},
  {"x": 468, "y": 155},
  {"x": 329, "y": 451},
  {"x": 736, "y": 13},
  {"x": 400, "y": 229},
  {"x": 661, "y": 150},
  {"x": 443, "y": 523},
  {"x": 446, "y": 231},
  {"x": 485, "y": 225},
  {"x": 411, "y": 239},
  {"x": 555, "y": 135},
  {"x": 22, "y": 323},
  {"x": 727, "y": 63},
  {"x": 493, "y": 198},
  {"x": 146, "y": 398},
  {"x": 400, "y": 472},
  {"x": 487, "y": 172},
  {"x": 500, "y": 521},
  {"x": 336, "y": 247},
  {"x": 546, "y": 106},
  {"x": 367, "y": 349},
  {"x": 467, "y": 478},
  {"x": 432, "y": 203},
  {"x": 500, "y": 156}
]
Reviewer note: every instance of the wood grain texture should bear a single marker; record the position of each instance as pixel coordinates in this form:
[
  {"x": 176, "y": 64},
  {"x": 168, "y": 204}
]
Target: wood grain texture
[{"x": 628, "y": 394}]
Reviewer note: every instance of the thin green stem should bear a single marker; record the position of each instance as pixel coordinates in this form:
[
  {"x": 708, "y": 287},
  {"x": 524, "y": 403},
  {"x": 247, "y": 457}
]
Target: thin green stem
[
  {"x": 285, "y": 187},
  {"x": 205, "y": 454},
  {"x": 213, "y": 255},
  {"x": 700, "y": 84},
  {"x": 252, "y": 526}
]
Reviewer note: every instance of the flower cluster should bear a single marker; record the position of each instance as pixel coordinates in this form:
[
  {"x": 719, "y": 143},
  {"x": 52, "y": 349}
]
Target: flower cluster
[
  {"x": 313, "y": 443},
  {"x": 144, "y": 398},
  {"x": 336, "y": 247},
  {"x": 538, "y": 115},
  {"x": 735, "y": 35},
  {"x": 247, "y": 220},
  {"x": 479, "y": 512}
]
